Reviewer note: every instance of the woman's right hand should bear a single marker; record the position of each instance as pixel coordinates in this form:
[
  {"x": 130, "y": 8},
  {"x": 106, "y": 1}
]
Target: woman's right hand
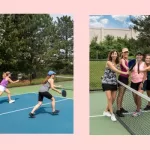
[
  {"x": 126, "y": 73},
  {"x": 59, "y": 92}
]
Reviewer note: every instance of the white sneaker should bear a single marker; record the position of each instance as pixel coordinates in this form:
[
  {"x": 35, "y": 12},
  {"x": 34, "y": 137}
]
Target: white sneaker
[
  {"x": 11, "y": 101},
  {"x": 136, "y": 114},
  {"x": 113, "y": 118},
  {"x": 106, "y": 113}
]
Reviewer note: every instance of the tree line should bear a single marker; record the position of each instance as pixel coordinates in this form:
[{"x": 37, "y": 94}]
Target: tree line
[
  {"x": 142, "y": 43},
  {"x": 28, "y": 43}
]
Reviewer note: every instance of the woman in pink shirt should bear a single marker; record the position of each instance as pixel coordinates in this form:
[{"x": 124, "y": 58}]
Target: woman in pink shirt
[{"x": 137, "y": 80}]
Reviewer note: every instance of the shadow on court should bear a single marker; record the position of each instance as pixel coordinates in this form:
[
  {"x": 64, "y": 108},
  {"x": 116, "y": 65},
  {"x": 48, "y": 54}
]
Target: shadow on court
[
  {"x": 100, "y": 125},
  {"x": 6, "y": 100},
  {"x": 42, "y": 110}
]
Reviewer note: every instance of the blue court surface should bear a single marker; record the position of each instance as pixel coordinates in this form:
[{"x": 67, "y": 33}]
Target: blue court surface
[{"x": 14, "y": 118}]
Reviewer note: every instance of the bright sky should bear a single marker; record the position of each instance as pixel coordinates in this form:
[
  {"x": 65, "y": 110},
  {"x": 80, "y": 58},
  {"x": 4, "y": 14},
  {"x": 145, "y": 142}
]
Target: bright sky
[
  {"x": 59, "y": 15},
  {"x": 111, "y": 21}
]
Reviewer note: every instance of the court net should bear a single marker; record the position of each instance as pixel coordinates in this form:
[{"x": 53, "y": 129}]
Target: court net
[
  {"x": 135, "y": 125},
  {"x": 66, "y": 82}
]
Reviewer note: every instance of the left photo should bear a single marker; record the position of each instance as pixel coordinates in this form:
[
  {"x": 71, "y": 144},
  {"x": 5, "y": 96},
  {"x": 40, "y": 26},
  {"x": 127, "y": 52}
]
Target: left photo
[{"x": 36, "y": 75}]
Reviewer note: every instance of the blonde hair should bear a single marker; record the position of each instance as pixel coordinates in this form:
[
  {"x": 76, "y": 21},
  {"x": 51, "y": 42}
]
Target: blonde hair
[
  {"x": 5, "y": 74},
  {"x": 123, "y": 52}
]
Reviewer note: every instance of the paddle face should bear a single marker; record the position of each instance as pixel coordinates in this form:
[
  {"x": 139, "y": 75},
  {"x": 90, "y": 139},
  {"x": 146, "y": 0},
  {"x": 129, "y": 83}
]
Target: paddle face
[
  {"x": 19, "y": 76},
  {"x": 64, "y": 93},
  {"x": 131, "y": 64}
]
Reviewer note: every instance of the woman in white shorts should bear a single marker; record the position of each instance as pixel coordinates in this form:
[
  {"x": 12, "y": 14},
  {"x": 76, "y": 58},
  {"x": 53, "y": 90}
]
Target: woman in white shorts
[{"x": 4, "y": 83}]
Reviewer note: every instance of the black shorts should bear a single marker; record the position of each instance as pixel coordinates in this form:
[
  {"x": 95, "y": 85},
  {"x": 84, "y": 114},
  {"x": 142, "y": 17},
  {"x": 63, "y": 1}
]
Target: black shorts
[
  {"x": 148, "y": 85},
  {"x": 109, "y": 87},
  {"x": 44, "y": 94},
  {"x": 135, "y": 86},
  {"x": 124, "y": 80}
]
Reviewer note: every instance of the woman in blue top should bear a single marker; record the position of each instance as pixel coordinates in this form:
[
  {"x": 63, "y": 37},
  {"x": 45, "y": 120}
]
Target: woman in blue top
[{"x": 43, "y": 92}]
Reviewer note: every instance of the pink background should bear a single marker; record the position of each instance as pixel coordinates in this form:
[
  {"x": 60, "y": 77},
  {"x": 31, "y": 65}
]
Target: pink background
[{"x": 81, "y": 138}]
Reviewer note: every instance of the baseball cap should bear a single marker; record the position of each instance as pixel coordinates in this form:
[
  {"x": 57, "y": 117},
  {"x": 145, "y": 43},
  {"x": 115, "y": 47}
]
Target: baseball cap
[
  {"x": 139, "y": 52},
  {"x": 124, "y": 50},
  {"x": 51, "y": 73}
]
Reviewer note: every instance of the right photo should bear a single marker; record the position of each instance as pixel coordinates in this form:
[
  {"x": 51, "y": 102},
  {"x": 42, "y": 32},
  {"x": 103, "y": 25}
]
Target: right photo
[{"x": 119, "y": 74}]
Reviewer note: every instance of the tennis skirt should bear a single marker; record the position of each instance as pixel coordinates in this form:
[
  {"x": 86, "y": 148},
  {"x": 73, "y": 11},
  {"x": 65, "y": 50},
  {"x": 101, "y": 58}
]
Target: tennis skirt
[
  {"x": 123, "y": 79},
  {"x": 2, "y": 88},
  {"x": 109, "y": 87}
]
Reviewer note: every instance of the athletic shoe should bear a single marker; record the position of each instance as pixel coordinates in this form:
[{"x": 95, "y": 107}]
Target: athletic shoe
[
  {"x": 119, "y": 113},
  {"x": 55, "y": 112},
  {"x": 31, "y": 115},
  {"x": 123, "y": 110},
  {"x": 11, "y": 101},
  {"x": 113, "y": 118},
  {"x": 106, "y": 113},
  {"x": 136, "y": 114},
  {"x": 147, "y": 107}
]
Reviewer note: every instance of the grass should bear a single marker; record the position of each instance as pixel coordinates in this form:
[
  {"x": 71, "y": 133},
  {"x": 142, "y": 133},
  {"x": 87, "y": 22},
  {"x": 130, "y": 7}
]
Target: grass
[
  {"x": 96, "y": 71},
  {"x": 39, "y": 81}
]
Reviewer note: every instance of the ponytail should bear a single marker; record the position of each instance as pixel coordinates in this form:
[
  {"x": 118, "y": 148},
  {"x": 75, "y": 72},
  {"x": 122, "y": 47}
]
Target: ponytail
[
  {"x": 46, "y": 79},
  {"x": 4, "y": 75}
]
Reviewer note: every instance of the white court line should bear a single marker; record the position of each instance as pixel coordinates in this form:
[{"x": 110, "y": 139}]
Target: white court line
[
  {"x": 129, "y": 113},
  {"x": 20, "y": 94},
  {"x": 96, "y": 116},
  {"x": 32, "y": 93},
  {"x": 28, "y": 108}
]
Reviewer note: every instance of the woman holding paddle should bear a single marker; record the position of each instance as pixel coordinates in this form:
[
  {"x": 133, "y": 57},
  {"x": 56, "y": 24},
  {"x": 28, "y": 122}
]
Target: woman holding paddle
[
  {"x": 3, "y": 85},
  {"x": 109, "y": 82},
  {"x": 43, "y": 92}
]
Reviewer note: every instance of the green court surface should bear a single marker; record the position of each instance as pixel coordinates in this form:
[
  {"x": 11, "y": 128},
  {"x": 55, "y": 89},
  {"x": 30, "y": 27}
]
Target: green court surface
[{"x": 100, "y": 125}]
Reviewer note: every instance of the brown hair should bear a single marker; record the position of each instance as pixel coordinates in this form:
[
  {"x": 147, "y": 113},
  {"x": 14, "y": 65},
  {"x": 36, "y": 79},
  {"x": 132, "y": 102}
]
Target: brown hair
[
  {"x": 46, "y": 79},
  {"x": 110, "y": 58},
  {"x": 145, "y": 58}
]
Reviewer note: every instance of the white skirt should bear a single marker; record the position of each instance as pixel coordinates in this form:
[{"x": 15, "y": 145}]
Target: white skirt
[{"x": 2, "y": 88}]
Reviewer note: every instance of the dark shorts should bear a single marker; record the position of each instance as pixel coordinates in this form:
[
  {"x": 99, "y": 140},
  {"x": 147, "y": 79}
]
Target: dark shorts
[
  {"x": 109, "y": 87},
  {"x": 124, "y": 80},
  {"x": 44, "y": 94},
  {"x": 135, "y": 86},
  {"x": 148, "y": 85}
]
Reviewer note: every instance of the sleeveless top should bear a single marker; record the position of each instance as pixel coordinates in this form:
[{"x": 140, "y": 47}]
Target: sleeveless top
[
  {"x": 109, "y": 77},
  {"x": 4, "y": 83},
  {"x": 45, "y": 87},
  {"x": 135, "y": 76},
  {"x": 124, "y": 69}
]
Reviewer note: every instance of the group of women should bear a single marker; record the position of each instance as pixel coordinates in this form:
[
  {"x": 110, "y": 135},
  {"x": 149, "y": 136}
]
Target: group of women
[{"x": 140, "y": 81}]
